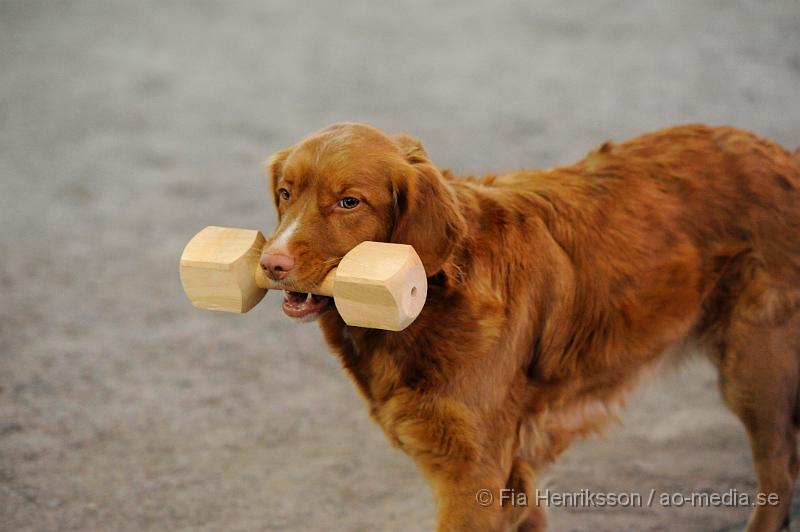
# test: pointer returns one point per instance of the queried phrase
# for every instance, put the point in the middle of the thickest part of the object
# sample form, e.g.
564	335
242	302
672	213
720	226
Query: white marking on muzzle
282	242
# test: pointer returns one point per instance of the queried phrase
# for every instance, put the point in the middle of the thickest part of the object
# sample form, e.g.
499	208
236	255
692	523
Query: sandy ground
125	127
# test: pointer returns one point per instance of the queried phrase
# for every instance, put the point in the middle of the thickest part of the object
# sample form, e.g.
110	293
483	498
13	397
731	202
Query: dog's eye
284	193
348	203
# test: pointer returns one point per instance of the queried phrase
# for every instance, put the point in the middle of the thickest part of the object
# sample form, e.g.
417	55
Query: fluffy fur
551	291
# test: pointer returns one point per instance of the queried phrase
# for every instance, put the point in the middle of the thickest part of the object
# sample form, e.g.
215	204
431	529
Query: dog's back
664	232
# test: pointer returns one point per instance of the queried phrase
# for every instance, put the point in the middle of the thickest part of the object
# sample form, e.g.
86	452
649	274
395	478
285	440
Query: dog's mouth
304	305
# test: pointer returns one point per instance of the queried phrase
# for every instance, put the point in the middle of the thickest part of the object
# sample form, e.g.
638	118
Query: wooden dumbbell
376	285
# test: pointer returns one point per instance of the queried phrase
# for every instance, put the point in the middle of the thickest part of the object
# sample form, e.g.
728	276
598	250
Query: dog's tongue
300	304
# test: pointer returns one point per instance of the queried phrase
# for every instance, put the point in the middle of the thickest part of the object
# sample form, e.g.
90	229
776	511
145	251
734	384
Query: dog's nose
277	265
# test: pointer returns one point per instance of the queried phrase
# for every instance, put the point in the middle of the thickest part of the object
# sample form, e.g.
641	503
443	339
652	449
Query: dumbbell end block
217	267
380	286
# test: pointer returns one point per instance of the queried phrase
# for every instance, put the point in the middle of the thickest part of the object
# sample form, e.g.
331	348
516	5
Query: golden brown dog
550	292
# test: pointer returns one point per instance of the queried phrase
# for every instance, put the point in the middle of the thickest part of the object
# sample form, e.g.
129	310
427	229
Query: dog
550	293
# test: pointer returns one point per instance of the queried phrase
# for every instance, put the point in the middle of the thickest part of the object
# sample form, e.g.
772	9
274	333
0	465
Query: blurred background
125	127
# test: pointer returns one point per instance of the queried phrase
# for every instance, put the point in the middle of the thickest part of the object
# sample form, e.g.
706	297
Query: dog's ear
275	170
426	213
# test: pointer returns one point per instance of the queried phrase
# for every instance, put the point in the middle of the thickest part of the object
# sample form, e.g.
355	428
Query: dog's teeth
309	296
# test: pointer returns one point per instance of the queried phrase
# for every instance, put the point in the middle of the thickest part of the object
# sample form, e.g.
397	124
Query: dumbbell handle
325	288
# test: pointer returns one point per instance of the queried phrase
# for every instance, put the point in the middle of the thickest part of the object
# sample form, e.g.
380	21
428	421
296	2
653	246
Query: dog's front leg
471	502
467	464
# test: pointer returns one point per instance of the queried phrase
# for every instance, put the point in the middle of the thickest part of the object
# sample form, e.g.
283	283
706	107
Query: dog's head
346	184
